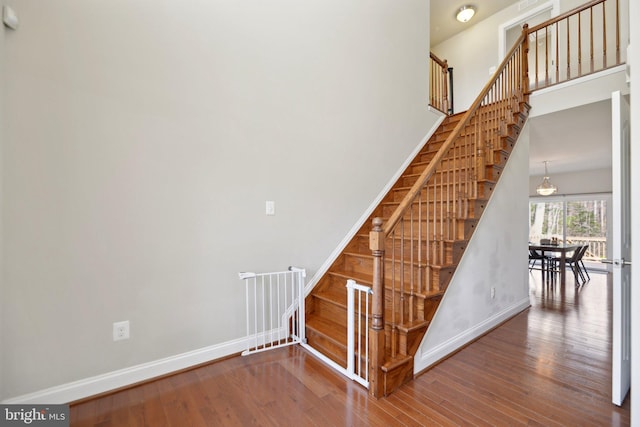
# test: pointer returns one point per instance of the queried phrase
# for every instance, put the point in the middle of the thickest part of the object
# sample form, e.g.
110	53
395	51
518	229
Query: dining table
559	248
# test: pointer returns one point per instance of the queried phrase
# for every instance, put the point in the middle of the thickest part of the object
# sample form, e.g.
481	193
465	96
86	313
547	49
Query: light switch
270	207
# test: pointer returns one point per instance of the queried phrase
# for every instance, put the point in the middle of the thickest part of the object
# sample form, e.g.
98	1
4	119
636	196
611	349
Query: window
573	220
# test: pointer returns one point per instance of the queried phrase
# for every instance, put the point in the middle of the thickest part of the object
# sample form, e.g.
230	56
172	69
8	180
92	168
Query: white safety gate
358	297
275	309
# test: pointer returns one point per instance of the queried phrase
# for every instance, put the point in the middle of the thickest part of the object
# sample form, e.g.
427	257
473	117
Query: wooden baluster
412	266
457	165
442	219
431	88
445	87
591	38
604	36
447	198
479	144
495	106
568	52
376	335
557	27
474	129
546	56
525	61
401	273
420	237
579	45
617	32
396	302
536	56
429	262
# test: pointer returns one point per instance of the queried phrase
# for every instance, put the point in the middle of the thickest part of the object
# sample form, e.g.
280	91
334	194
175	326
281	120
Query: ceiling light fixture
465	13
546	188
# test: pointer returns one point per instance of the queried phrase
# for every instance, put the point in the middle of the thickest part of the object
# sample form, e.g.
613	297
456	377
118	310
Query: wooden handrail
566	15
437	60
435	162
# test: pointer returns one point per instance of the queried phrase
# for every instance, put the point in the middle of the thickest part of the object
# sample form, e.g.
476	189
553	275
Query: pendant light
546	188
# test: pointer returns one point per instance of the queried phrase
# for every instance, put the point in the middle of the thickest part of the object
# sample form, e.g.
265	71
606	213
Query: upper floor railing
582	41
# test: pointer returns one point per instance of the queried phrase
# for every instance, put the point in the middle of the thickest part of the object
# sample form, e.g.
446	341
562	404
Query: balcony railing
582	41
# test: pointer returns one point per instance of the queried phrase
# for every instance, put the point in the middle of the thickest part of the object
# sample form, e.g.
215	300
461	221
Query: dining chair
535	256
581	265
573	262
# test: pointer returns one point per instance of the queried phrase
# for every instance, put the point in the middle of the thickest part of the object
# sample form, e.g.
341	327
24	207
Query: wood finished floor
548	366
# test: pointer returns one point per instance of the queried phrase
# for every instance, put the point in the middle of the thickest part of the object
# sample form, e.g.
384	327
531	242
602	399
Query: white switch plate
270	207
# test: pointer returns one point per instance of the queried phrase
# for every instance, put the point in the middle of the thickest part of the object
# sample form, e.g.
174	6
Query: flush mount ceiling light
465	13
546	188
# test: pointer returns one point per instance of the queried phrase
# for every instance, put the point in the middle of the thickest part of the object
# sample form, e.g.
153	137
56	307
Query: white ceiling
443	16
572	140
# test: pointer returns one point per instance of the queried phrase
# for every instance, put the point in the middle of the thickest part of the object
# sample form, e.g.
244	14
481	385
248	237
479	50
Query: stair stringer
496	257
374	204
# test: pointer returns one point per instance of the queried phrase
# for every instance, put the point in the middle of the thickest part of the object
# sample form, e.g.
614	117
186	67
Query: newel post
525	62
376	334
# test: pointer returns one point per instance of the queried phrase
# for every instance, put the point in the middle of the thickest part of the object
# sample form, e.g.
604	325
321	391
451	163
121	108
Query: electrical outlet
493	293
121	330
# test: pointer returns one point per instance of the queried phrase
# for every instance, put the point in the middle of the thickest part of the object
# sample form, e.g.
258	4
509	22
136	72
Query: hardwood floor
548	366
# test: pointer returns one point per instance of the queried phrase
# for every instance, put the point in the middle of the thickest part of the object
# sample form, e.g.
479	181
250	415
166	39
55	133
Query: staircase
326	306
409	249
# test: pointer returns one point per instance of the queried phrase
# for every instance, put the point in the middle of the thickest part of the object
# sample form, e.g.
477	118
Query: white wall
574	93
496	257
142	139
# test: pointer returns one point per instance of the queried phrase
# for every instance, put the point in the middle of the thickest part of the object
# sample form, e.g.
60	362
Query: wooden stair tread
334	295
396	203
431	185
361	278
370	256
407	327
448	241
395	362
329	329
432	294
367	280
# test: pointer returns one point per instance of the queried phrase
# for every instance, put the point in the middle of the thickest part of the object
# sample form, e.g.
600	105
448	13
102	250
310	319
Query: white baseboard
124	377
431	357
338	250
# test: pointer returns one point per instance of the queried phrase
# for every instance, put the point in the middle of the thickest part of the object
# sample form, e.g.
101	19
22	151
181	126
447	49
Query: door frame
634	72
551	5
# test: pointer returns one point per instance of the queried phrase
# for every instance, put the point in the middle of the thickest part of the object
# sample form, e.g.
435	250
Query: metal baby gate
275	309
